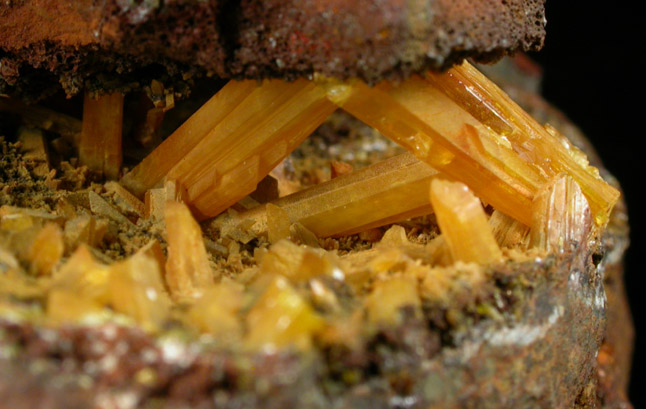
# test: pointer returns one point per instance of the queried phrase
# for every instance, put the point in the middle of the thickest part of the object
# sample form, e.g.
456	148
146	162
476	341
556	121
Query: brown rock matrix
123	44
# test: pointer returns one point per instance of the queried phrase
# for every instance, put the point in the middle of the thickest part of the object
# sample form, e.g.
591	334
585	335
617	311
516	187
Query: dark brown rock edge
124	44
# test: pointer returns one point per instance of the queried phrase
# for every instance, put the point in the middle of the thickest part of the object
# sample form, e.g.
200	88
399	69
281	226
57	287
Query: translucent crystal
281	317
84	276
421	118
472	132
136	289
216	312
46	250
463	223
386	192
188	272
551	153
100	145
221	153
297	262
562	216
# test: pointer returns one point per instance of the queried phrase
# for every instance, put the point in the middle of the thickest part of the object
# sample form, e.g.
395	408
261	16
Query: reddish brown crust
375	39
372	39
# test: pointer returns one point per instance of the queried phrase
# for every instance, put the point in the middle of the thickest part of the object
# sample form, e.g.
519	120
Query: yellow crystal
46	250
464	138
393	190
221	153
65	306
84	276
384	303
136	289
463	223
216	312
281	318
188	272
544	148
298	263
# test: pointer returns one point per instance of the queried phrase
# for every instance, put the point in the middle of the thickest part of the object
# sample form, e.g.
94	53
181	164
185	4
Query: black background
594	71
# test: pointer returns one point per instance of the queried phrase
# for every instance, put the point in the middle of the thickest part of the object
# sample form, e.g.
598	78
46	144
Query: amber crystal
297	262
188	272
475	93
83	275
136	289
100	145
221	153
393	190
463	223
467	142
440	133
47	249
216	311
562	216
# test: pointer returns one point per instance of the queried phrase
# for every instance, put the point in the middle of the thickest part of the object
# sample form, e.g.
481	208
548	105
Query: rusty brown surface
373	39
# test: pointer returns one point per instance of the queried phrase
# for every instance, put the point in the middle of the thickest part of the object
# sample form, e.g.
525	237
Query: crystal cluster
495	183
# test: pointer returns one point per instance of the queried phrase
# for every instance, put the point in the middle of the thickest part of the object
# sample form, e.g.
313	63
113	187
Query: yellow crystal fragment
562	216
221	153
84	276
298	263
280	318
136	289
46	250
463	223
84	230
216	312
384	303
100	145
188	272
277	223
469	88
386	192
66	306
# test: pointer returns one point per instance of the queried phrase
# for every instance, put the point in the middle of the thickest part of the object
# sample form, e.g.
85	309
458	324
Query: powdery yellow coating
562	216
463	223
188	273
221	153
